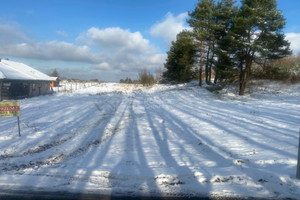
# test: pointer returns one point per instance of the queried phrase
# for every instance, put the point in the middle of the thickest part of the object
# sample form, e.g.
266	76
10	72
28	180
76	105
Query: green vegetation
181	59
285	69
55	74
129	81
230	43
146	78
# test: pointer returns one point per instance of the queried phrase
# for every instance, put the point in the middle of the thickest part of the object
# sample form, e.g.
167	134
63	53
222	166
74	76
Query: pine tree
257	34
224	14
181	59
202	20
55	74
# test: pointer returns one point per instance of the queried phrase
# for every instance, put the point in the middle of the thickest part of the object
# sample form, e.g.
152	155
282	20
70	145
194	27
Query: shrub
146	78
285	69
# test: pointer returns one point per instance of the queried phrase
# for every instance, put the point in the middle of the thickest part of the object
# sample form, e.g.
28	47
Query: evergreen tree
55	74
224	14
211	22
181	59
202	20
256	34
230	39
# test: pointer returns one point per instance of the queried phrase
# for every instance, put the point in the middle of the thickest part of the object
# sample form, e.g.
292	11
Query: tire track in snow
43	158
122	120
51	144
107	132
176	176
178	130
92	140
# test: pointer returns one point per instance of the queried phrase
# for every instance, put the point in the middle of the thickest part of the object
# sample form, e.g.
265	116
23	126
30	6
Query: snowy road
164	141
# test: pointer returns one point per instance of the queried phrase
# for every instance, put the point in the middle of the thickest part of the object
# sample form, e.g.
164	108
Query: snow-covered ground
178	140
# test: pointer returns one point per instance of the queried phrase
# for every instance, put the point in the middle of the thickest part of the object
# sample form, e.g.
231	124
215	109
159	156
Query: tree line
226	41
145	78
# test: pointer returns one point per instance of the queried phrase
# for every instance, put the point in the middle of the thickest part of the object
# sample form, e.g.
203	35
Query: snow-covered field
178	140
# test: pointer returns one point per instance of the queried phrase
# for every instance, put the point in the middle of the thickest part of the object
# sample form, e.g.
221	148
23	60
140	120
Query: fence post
298	163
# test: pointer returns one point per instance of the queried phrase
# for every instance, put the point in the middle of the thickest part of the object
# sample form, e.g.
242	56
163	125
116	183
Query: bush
285	69
278	72
146	78
295	77
215	88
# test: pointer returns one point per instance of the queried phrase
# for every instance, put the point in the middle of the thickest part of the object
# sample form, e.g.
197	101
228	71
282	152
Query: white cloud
122	50
69	52
62	33
52	50
102	66
10	33
13	42
114	51
294	39
170	27
116	39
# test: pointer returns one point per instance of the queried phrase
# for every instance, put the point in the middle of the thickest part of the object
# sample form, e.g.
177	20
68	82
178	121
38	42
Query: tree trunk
210	67
200	76
200	66
216	79
209	74
242	84
244	75
211	61
207	65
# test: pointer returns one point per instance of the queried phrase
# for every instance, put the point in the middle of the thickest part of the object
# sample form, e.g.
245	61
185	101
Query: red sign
9	109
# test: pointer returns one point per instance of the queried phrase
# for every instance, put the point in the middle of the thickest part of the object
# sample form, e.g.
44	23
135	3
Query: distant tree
127	80
94	80
181	59
55	74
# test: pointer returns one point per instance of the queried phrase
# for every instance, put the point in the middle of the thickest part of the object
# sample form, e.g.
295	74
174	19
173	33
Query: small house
18	81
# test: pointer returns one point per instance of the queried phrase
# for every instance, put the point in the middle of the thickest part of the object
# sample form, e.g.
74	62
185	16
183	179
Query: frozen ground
178	140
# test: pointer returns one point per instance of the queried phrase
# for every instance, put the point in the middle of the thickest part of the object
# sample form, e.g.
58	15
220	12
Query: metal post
298	164
19	126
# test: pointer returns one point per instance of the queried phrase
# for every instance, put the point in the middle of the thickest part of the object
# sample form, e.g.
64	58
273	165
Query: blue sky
103	39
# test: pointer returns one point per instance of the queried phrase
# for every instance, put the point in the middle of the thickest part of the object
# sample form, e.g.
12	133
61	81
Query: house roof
10	70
